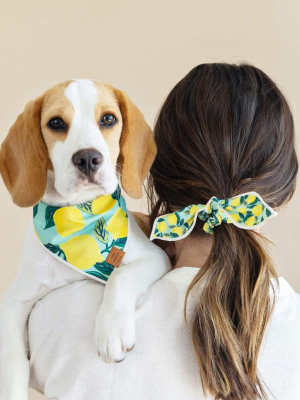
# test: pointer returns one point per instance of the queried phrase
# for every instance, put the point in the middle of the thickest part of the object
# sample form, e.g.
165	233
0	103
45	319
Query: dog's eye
56	124
108	120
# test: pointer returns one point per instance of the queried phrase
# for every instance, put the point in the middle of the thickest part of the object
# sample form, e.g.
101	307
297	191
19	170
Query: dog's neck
85	194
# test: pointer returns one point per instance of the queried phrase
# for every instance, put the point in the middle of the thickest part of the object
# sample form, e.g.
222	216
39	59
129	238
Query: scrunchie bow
247	211
211	215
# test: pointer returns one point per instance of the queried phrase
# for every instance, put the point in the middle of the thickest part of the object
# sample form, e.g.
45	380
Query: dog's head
68	144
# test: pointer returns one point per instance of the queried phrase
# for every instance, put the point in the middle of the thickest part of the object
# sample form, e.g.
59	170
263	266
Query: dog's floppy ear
24	157
137	147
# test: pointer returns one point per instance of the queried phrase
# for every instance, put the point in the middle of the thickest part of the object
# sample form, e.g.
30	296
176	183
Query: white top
65	364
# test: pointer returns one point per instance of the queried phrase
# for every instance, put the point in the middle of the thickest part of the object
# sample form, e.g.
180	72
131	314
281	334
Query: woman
223	132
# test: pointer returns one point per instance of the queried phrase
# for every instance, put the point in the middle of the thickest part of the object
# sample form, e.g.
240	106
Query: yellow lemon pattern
68	220
118	226
236	202
84	235
103	204
251	198
177	230
162	226
193	210
242	210
247	211
250	221
172	219
257	210
82	251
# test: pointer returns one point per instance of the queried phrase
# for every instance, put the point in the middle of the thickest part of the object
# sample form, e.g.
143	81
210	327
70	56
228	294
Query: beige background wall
143	47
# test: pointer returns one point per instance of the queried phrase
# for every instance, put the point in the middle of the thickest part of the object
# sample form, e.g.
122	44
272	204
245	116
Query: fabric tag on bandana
115	257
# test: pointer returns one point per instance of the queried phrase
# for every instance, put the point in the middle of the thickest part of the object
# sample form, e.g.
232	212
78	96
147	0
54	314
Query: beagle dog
68	147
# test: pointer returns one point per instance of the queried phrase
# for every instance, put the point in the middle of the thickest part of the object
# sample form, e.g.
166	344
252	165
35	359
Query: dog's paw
114	334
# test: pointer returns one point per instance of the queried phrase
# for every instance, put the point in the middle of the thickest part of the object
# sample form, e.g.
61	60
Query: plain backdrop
143	47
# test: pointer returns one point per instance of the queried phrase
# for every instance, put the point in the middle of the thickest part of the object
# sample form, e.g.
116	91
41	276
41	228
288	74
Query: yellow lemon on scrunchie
236	202
250	221
257	210
162	226
172	219
177	230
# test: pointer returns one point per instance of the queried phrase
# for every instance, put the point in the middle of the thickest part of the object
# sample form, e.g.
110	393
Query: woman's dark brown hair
225	130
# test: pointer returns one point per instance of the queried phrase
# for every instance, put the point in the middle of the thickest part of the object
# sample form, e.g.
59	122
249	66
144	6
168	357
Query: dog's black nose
87	160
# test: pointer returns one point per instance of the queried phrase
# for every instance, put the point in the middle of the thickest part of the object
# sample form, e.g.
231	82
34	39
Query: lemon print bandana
247	211
90	237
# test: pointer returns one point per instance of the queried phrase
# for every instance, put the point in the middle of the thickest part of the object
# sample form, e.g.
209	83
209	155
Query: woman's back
65	364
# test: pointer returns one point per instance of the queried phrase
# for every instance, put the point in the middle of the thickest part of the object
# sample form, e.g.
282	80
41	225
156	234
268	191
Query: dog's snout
87	160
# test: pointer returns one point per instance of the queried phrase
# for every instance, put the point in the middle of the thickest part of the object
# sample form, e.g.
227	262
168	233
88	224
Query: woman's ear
24	157
137	147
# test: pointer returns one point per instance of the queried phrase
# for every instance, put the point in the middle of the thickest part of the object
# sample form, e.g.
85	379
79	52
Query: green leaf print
178	218
241	216
98	275
254	203
116	195
120	242
247	216
35	210
86	207
104	267
225	204
100	231
173	235
268	212
50	210
56	250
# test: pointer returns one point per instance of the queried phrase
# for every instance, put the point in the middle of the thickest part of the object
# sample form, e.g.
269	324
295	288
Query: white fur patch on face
84	133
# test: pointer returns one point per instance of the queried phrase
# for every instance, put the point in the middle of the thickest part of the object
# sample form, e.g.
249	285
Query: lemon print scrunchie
247	211
86	235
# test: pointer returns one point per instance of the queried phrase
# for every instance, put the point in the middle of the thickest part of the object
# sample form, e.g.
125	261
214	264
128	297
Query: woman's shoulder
286	313
181	276
285	296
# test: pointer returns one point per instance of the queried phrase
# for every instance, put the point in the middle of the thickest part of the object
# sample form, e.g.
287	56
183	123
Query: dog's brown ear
24	157
137	147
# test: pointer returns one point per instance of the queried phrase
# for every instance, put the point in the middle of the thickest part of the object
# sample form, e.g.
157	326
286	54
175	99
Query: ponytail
231	314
